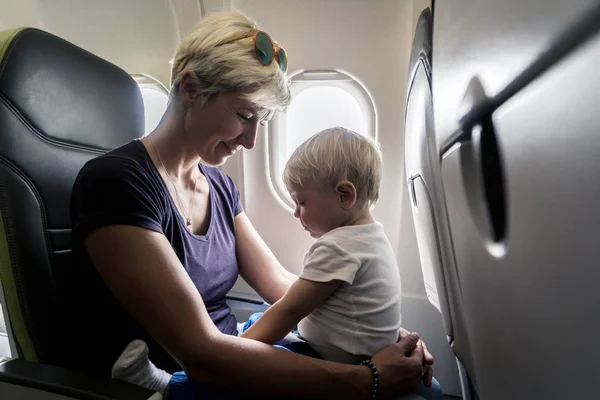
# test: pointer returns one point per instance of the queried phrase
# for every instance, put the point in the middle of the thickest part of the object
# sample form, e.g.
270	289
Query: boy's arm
299	301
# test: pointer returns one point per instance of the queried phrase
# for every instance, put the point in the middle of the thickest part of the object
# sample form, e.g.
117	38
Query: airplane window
320	100
156	98
319	108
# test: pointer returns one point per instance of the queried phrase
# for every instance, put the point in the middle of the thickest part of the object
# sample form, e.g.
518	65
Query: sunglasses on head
266	50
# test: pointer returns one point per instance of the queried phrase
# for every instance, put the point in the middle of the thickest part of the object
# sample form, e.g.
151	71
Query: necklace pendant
188	222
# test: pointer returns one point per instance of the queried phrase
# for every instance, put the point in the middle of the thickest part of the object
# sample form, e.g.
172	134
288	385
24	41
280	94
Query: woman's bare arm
142	271
258	266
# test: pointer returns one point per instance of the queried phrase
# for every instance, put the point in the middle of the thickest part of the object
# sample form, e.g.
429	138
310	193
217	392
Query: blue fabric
124	187
434	392
181	388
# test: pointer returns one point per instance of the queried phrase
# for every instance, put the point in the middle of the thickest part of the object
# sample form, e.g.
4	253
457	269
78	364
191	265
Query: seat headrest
68	95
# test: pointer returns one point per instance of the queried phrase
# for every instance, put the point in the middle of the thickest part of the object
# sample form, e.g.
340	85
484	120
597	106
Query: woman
159	236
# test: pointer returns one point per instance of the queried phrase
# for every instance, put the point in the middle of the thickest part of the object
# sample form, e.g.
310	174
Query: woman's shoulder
118	188
125	162
124	171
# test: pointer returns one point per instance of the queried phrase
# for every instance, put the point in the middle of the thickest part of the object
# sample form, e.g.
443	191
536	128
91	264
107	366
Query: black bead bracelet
373	369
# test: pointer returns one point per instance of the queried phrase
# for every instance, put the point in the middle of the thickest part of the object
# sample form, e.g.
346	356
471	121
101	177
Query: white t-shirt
363	314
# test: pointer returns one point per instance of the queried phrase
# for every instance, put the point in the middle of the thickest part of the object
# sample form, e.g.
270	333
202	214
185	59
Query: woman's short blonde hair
335	155
224	67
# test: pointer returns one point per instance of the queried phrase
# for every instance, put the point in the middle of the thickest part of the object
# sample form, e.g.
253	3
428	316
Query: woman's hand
427	358
399	365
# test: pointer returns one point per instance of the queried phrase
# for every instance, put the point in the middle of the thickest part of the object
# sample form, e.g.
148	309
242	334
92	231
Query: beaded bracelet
373	369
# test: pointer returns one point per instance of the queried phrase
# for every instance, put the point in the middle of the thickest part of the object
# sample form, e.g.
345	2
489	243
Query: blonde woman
160	236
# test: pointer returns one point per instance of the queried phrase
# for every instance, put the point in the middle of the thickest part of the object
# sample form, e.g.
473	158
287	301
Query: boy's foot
133	366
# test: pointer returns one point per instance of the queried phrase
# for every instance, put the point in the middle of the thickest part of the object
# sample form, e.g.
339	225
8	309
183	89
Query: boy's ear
346	192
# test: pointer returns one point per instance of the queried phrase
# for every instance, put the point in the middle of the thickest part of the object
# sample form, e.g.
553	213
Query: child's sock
133	366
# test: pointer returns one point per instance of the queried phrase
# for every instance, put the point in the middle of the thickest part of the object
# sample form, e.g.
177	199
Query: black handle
484	170
493	180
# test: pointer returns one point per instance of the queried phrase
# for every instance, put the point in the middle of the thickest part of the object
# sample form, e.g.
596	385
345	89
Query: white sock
133	366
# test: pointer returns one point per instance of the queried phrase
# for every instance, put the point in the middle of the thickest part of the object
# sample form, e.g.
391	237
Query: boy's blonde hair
225	67
334	155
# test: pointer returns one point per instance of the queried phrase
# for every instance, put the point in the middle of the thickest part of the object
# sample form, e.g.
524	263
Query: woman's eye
245	118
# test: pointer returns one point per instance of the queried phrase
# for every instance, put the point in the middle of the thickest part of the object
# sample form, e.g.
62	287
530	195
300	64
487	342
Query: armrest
65	382
243	305
245	297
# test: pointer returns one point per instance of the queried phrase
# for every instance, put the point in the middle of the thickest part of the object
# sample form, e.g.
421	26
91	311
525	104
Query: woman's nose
297	212
248	138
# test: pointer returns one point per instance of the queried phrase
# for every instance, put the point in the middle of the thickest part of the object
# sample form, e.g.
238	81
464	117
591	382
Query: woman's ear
346	193
188	88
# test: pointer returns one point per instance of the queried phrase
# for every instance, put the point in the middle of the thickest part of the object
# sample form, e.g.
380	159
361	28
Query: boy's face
319	213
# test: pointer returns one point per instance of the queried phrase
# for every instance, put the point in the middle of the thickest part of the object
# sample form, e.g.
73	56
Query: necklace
188	218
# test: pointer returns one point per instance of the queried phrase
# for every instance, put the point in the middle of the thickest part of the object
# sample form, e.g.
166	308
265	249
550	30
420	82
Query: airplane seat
423	174
60	106
418	137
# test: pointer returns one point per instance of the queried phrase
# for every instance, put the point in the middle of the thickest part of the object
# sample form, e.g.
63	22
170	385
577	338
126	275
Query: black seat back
60	106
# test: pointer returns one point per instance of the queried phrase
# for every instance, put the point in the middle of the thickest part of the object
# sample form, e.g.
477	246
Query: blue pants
434	392
181	388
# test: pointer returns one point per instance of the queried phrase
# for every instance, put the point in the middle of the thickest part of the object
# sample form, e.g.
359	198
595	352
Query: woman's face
221	126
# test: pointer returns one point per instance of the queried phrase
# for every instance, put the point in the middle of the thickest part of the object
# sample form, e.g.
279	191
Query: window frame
300	82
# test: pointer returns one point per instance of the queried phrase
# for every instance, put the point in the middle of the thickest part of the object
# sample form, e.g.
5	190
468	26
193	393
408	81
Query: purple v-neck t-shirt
123	187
